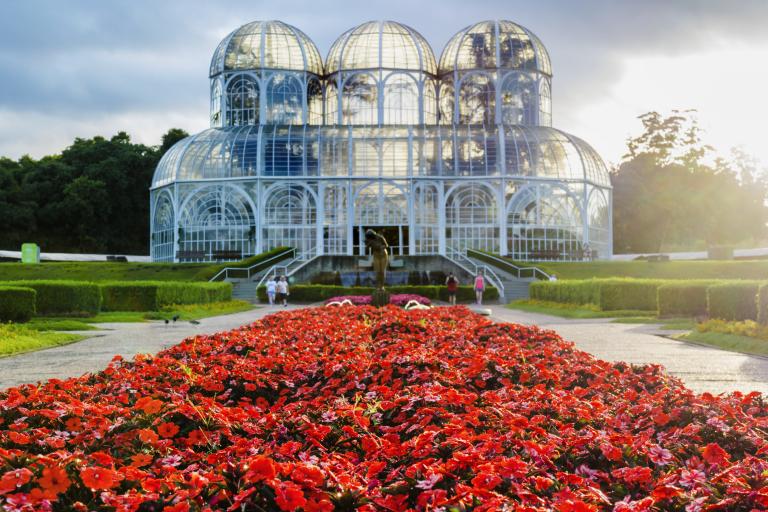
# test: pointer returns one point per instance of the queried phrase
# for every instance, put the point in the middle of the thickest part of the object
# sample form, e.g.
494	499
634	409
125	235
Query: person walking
479	288
282	291
271	290
453	285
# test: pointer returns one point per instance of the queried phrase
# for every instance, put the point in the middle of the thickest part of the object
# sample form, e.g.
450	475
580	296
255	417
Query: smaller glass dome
495	44
267	45
381	44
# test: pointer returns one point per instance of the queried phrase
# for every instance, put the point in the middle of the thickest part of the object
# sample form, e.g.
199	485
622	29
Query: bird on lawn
194	322
174	318
166	321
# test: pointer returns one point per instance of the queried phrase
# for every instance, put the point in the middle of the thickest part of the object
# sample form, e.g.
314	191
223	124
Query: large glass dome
381	44
495	44
267	45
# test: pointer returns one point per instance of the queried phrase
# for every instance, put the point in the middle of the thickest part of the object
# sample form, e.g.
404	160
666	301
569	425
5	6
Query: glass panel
360	100
242	101
401	100
285	99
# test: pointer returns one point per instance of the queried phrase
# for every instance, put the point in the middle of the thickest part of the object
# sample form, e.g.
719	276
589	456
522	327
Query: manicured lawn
197	311
59	324
730	342
185	312
757	269
16	339
102	271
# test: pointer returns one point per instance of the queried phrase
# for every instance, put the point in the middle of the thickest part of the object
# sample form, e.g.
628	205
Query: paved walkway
701	368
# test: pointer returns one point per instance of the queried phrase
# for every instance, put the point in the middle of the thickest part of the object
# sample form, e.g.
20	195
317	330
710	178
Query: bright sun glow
727	87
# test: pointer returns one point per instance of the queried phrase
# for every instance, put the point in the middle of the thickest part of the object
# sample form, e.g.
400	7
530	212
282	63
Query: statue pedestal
380	297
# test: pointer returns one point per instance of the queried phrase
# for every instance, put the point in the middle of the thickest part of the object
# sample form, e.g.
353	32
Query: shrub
683	298
317	293
153	295
733	301
126	296
17	304
629	294
67	298
762	304
570	292
210	271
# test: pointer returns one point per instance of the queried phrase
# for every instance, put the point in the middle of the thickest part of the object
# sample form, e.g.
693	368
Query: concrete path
127	339
701	368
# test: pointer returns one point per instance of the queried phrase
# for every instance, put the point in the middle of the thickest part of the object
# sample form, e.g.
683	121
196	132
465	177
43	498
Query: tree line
670	191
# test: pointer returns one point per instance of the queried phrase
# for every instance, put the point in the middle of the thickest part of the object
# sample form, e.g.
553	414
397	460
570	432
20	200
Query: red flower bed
356	408
397	299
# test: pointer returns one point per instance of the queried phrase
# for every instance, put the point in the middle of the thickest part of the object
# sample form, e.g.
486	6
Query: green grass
730	342
17	339
669	324
102	271
570	310
755	269
198	311
59	324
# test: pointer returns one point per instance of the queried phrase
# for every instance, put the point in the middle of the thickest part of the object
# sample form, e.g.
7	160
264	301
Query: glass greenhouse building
439	156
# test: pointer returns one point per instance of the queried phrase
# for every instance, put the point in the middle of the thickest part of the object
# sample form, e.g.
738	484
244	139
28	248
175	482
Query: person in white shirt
271	290
282	291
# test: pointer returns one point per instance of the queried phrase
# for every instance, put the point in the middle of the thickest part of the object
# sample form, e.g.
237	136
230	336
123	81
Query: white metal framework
441	157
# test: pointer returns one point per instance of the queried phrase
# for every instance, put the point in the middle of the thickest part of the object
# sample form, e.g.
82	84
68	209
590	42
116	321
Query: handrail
274	269
248	270
506	265
462	260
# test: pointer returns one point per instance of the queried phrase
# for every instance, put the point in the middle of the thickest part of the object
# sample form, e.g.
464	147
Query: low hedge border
733	301
319	292
684	298
17	304
762	304
154	295
63	298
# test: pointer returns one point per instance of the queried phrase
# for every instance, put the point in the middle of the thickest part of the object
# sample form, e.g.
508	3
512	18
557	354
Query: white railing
284	269
473	268
248	271
511	268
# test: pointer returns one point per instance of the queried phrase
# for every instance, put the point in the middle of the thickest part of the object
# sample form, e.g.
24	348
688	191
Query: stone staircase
245	289
514	287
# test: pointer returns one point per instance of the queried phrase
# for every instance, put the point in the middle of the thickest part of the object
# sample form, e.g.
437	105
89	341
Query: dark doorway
397	238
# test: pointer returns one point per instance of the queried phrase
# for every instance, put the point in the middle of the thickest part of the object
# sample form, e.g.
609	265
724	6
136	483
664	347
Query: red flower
260	468
148	436
167	430
288	496
54	480
99	478
307	475
714	454
14	479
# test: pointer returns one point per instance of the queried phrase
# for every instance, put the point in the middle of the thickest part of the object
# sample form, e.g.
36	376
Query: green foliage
101	271
666	194
210	271
733	301
137	296
568	292
762	305
755	269
17	339
748	328
17	304
66	298
684	298
153	295
629	294
318	292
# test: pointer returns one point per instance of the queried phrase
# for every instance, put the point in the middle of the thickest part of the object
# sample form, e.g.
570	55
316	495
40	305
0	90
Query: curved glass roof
233	152
495	44
267	45
381	44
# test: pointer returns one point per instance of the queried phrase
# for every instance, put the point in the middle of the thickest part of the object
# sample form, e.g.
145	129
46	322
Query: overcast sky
92	67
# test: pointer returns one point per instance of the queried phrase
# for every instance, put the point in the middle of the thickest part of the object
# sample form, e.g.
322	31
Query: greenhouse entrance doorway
396	236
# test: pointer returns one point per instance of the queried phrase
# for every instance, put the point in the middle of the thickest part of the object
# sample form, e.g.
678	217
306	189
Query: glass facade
450	156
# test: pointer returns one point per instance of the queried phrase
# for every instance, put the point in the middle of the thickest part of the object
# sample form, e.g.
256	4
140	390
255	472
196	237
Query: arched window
285	100
359	100
290	218
447	102
545	103
216	104
314	102
476	100
429	100
331	103
162	229
401	100
335	219
217	223
471	218
426	204
242	101
381	204
518	100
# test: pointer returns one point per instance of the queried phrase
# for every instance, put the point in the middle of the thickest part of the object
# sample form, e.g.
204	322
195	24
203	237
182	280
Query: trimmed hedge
762	304
210	272
733	301
153	295
585	291
629	294
318	292
17	304
683	298
63	298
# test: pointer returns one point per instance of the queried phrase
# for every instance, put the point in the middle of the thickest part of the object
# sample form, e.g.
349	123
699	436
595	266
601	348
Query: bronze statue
378	246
